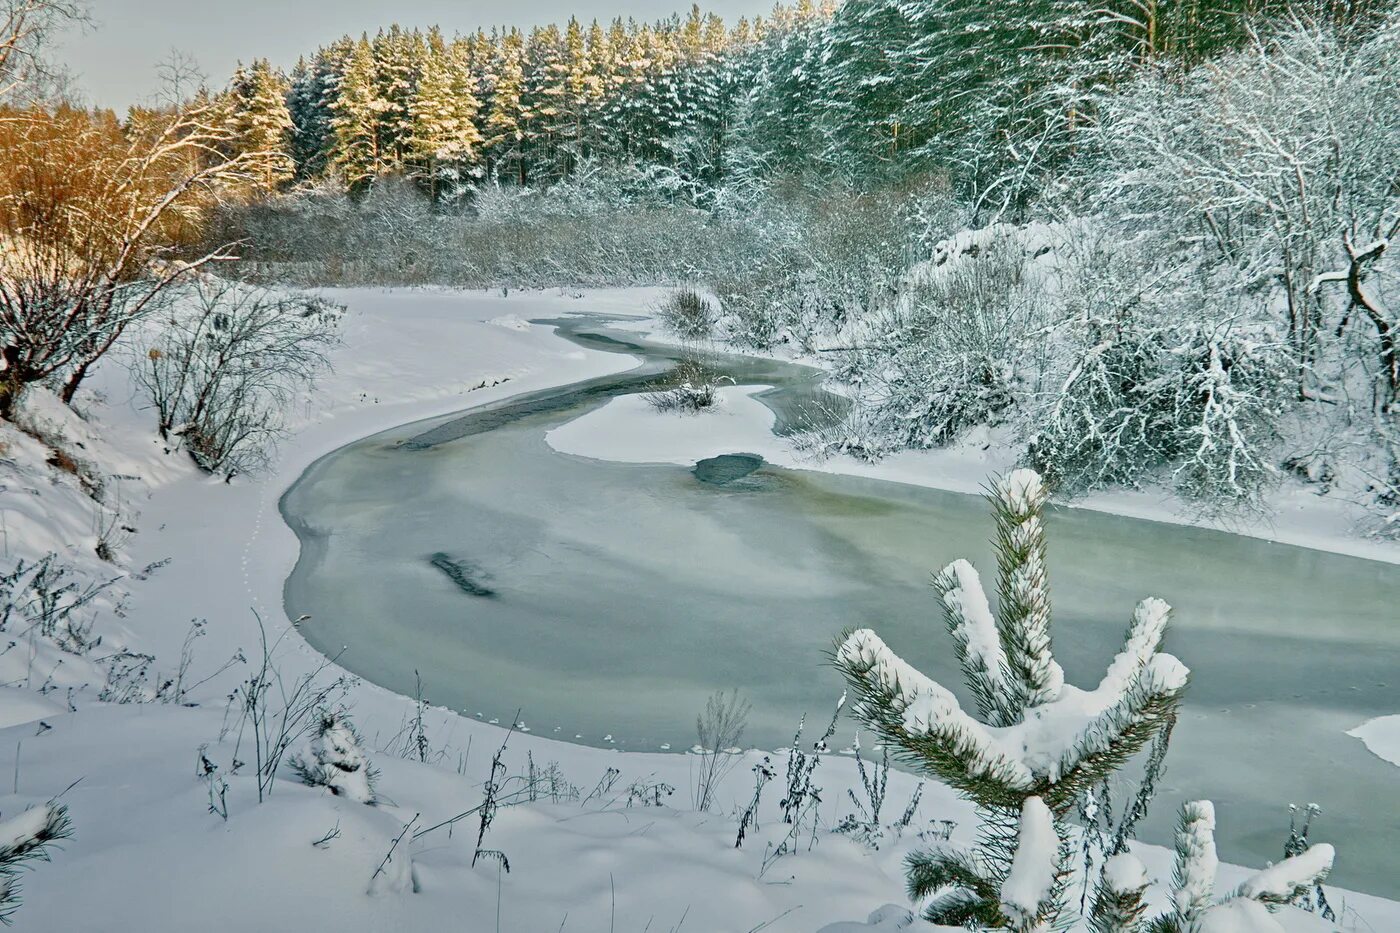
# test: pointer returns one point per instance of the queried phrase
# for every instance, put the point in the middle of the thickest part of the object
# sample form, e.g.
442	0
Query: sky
115	61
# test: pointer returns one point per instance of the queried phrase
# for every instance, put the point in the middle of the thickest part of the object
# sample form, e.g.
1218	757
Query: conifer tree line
509	105
868	91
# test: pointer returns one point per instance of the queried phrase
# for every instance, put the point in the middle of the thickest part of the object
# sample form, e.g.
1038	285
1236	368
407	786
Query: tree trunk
12	381
1385	327
71	384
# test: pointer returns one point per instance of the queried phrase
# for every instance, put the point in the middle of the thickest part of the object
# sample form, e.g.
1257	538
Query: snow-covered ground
147	853
1382	737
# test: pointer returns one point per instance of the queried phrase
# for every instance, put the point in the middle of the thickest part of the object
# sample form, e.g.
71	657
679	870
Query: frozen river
607	600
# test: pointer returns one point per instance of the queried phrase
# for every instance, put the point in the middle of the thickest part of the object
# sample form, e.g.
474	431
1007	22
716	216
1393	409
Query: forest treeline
868	91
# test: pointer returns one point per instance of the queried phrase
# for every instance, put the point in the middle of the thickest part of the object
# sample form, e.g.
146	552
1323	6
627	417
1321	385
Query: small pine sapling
336	759
1033	735
25	839
1314	901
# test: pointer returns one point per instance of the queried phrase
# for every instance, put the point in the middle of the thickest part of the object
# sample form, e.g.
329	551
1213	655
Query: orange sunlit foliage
92	212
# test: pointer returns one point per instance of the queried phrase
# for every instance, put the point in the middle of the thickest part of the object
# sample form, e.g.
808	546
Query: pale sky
115	62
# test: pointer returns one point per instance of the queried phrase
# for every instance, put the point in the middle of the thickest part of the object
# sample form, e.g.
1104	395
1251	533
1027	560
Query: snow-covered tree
503	130
444	140
308	106
354	105
1036	743
262	124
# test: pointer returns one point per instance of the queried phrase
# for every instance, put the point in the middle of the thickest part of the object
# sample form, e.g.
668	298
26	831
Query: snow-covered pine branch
1037	870
1119	904
1039	738
25	838
1247	909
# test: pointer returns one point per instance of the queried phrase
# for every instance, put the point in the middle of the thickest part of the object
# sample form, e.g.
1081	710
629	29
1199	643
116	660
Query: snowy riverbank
1296	512
148	855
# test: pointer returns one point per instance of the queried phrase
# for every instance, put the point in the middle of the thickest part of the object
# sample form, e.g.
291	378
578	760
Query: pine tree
1034	736
1195	905
335	759
443	138
262	124
354	108
544	103
398	60
308	107
503	129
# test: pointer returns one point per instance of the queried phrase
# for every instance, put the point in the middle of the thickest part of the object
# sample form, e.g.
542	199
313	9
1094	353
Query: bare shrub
49	598
719	728
276	728
89	211
227	362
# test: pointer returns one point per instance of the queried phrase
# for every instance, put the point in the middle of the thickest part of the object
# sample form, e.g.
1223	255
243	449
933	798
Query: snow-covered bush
1205	405
687	314
952	353
601	227
335	759
1036	745
693	388
225	362
812	258
26	838
1269	173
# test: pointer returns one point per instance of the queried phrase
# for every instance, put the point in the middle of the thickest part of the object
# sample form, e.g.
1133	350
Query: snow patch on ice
1382	737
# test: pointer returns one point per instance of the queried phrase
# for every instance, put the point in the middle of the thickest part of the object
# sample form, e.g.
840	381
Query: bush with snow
954	351
687	314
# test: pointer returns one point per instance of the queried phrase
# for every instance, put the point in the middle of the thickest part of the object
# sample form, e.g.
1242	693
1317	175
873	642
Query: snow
1382	737
1022	491
1278	882
1196	851
1239	916
18	706
1033	867
1125	873
147	854
20	831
